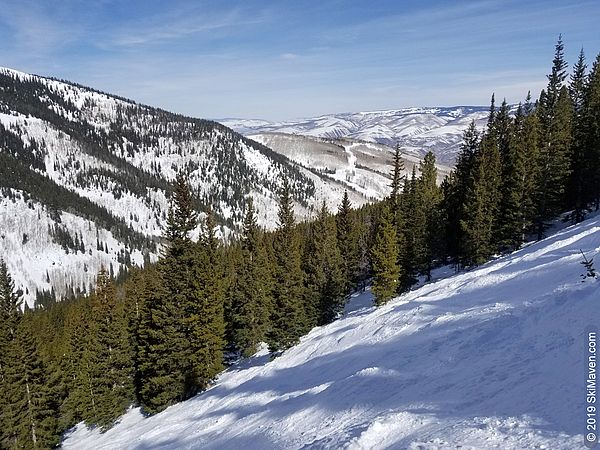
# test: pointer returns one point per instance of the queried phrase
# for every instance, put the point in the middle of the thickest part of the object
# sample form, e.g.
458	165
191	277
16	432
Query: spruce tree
590	124
252	298
555	111
384	256
429	199
288	320
204	321
347	235
323	267
480	209
10	317
108	358
455	190
399	213
576	196
166	373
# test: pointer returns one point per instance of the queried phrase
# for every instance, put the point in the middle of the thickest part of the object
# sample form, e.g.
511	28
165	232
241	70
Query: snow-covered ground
490	358
418	130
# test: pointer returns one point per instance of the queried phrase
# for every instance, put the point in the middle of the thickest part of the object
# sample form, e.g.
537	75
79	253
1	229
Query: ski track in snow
489	358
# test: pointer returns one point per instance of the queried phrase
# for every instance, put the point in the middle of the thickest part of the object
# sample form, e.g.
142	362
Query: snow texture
417	130
489	358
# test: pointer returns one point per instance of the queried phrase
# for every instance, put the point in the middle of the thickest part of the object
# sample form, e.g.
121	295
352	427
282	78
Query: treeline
165	333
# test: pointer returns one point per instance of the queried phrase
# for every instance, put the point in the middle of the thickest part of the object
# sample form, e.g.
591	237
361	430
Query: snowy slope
491	358
418	130
122	157
360	166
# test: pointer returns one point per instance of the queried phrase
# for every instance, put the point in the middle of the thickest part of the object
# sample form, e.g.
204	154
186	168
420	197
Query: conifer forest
157	335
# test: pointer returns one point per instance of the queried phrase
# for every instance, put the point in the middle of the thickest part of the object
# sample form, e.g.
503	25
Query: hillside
361	166
85	179
418	130
490	358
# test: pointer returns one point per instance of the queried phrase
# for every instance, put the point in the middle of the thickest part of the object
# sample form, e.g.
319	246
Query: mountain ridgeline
105	165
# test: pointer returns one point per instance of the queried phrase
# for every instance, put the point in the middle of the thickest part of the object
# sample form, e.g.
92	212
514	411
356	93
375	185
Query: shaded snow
491	358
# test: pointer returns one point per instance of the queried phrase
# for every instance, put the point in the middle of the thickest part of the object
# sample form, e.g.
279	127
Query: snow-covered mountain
417	130
85	178
490	358
362	166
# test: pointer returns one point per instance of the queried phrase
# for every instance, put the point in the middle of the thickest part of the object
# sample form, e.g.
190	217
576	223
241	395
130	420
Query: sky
285	59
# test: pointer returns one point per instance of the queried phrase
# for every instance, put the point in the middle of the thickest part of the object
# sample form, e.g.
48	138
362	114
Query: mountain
489	358
85	179
417	130
361	166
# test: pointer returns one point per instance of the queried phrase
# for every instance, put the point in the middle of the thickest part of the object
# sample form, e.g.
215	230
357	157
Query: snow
489	358
417	129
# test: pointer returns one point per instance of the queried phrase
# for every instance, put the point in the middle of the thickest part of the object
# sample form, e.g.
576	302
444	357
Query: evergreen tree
166	373
429	198
480	209
10	316
384	256
204	322
323	267
347	234
108	357
590	124
576	196
555	112
252	294
455	189
288	321
30	395
398	209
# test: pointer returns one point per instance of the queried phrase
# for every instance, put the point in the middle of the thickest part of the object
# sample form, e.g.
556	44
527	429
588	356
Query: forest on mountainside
163	335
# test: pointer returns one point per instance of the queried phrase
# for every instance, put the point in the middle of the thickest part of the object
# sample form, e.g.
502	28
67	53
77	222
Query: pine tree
520	180
288	321
590	124
252	293
347	234
455	189
576	196
556	113
108	358
429	199
10	316
399	211
166	375
204	320
384	256
480	209
29	410
323	267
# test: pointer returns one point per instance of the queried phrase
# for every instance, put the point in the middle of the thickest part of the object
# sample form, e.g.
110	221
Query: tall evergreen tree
480	209
429	195
384	255
288	321
252	300
590	125
10	317
166	369
455	189
204	322
323	268
555	112
108	358
347	243
576	196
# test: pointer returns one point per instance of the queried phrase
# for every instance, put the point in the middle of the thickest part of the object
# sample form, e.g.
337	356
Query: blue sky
286	59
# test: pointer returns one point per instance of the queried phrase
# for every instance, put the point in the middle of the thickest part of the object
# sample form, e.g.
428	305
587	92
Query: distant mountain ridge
85	179
417	130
